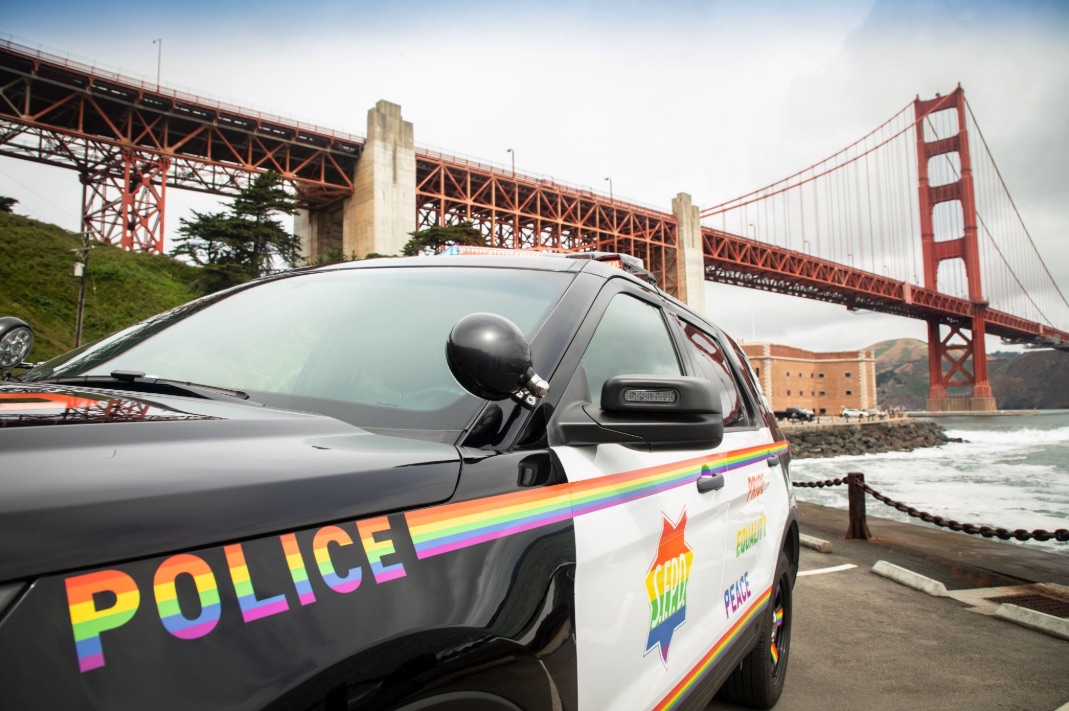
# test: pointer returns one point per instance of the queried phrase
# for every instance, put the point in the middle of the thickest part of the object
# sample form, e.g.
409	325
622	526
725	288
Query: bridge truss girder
739	261
56	112
123	202
516	212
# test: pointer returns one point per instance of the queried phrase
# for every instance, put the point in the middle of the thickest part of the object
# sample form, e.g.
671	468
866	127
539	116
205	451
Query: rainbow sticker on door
666	585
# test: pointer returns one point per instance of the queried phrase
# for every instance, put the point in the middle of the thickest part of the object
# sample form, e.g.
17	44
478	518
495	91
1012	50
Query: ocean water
1010	472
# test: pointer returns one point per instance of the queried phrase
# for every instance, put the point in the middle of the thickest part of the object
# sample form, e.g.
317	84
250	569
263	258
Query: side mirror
16	340
651	412
490	357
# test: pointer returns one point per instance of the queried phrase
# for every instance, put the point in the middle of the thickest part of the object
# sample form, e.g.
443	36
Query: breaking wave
1001	474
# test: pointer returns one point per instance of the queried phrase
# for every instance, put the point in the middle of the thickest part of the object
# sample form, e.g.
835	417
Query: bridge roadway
862	642
72	115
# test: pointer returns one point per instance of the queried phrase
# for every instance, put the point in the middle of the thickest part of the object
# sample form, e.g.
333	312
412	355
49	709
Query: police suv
444	483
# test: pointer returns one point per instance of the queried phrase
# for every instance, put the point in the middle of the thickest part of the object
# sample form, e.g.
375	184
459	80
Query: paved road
863	642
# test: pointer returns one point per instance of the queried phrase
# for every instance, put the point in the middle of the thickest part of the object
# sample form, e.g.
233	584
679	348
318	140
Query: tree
7	204
245	241
434	239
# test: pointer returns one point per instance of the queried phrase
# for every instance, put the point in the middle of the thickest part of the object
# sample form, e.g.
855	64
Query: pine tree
243	242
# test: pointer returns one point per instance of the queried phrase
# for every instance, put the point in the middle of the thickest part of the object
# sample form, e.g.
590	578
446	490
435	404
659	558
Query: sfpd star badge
666	585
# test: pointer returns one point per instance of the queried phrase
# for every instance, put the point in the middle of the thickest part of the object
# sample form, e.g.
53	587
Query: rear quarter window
712	362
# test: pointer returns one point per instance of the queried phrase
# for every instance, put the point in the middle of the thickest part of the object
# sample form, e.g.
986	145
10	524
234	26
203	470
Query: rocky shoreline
837	439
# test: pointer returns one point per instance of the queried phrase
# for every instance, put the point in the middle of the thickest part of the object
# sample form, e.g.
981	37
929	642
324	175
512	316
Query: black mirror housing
648	412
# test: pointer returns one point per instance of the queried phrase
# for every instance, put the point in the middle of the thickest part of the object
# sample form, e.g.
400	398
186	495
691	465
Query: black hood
146	476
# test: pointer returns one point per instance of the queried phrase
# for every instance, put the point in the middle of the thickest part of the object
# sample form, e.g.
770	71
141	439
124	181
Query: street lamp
753	232
611	199
159	56
805	246
513	154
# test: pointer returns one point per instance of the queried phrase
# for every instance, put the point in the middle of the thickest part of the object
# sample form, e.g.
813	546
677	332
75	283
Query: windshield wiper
136	381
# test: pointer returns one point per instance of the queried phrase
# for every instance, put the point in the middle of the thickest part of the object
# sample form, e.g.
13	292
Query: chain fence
1061	535
819	484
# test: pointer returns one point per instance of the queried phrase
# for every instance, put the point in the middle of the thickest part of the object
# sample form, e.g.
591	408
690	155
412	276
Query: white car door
649	545
752	543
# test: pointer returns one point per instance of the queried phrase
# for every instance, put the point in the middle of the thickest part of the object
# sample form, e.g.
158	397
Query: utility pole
80	269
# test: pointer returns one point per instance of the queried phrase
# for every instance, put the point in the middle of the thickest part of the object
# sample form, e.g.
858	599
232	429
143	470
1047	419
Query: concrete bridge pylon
381	212
691	260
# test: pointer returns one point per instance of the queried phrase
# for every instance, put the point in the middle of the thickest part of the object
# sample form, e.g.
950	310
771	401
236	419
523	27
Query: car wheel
16	339
758	682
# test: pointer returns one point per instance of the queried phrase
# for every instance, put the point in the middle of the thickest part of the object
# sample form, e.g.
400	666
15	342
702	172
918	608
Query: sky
714	99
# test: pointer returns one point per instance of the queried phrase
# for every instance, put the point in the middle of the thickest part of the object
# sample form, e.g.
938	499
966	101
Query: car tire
16	340
758	682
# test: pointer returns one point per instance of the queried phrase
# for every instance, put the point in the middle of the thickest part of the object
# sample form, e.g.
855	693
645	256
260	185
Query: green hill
37	284
1030	380
901	373
1039	379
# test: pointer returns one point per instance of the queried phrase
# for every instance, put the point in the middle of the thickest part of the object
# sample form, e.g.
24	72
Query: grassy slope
37	284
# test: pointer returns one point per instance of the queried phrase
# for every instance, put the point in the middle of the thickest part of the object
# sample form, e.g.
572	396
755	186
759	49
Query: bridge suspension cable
849	208
1006	233
859	208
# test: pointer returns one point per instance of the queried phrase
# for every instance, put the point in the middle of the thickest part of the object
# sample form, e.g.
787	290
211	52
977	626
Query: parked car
795	414
432	483
849	412
875	412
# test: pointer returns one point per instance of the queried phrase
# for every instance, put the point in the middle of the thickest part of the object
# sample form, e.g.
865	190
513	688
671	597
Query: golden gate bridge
913	219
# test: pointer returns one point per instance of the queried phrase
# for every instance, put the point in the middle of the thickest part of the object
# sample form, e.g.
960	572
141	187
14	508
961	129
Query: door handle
773	461
710	482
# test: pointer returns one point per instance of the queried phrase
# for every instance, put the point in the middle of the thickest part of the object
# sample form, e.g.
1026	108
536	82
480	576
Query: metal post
859	528
81	289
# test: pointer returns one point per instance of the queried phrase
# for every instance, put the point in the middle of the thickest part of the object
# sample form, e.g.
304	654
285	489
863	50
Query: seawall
836	439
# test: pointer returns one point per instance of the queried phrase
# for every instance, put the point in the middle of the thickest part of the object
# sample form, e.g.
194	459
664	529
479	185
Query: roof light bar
625	262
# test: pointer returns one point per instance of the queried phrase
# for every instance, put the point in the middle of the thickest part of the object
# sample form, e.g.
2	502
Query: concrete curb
817	544
1047	624
909	578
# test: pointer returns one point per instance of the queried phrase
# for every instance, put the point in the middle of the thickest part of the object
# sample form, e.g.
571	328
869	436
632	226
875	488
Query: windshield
364	345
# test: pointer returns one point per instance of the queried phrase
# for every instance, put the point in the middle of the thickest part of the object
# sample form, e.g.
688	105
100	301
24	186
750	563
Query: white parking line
833	569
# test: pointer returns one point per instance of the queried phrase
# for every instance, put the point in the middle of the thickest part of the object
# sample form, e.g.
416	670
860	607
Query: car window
713	364
631	339
749	376
366	337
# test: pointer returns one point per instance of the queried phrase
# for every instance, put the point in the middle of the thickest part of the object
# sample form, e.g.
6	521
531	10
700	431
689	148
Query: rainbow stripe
442	529
87	621
295	562
167	596
377	550
251	608
707	662
321	550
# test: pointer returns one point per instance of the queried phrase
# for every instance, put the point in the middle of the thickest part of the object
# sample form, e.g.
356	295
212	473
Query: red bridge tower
956	358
